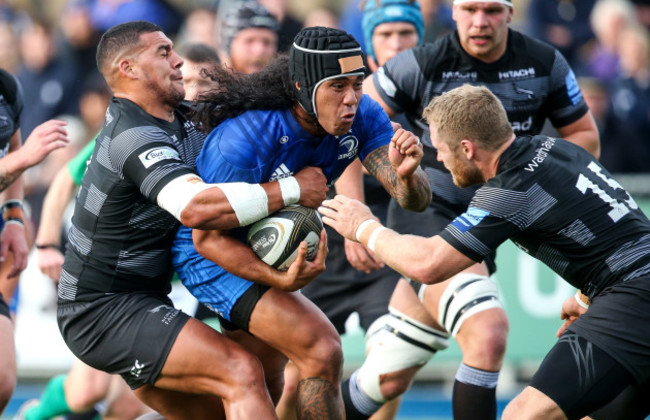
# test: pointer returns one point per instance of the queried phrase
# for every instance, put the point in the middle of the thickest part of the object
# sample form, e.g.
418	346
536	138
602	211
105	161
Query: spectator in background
200	27
49	82
564	25
196	57
9	56
289	26
321	16
248	36
626	145
607	19
107	13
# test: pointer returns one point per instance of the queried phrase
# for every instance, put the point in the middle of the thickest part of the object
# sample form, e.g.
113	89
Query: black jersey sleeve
147	157
565	103
12	92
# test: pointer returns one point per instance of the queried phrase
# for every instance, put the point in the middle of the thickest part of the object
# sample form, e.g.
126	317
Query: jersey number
619	209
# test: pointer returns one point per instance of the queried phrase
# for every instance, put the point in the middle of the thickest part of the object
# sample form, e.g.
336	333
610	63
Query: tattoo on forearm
318	399
6	178
415	197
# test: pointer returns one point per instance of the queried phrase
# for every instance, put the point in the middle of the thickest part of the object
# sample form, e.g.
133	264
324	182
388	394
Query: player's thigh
82	377
292	324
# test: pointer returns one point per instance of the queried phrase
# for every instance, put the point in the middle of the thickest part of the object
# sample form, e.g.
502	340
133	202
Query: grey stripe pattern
628	254
82	243
147	261
67	286
128	141
578	232
469	241
519	208
94	200
146	217
643	271
152	179
103	157
553	258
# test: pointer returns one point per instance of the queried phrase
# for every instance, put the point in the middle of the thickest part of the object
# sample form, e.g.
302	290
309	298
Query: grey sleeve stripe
519	208
125	143
154	177
82	243
578	232
469	240
628	254
67	286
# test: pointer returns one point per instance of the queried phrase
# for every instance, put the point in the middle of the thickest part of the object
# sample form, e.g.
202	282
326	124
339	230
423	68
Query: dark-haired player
307	110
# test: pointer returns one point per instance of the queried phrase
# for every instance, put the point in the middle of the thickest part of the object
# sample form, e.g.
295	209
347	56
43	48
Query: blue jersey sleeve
377	129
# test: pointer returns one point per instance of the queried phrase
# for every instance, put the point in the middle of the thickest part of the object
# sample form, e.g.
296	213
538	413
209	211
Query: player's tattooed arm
411	193
7	178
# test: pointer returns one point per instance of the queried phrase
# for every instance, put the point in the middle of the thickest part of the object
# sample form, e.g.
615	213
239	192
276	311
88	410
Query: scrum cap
319	54
376	12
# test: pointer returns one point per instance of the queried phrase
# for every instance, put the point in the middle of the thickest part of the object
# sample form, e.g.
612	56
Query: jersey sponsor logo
540	155
281	172
459	75
348	147
386	84
469	219
284	139
528	73
520	126
158	154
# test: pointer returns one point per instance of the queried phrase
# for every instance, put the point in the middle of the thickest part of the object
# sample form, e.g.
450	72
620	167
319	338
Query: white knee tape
395	342
466	295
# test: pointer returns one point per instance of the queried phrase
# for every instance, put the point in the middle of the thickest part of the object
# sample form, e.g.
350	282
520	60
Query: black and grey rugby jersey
120	239
532	79
11	106
558	204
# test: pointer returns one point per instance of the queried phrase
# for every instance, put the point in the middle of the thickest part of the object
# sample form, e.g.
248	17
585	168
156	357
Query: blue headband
376	12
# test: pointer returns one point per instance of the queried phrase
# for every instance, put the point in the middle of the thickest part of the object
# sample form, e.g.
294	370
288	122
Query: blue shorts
211	284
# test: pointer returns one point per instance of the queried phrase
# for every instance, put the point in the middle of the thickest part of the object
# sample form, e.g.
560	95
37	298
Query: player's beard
466	173
166	94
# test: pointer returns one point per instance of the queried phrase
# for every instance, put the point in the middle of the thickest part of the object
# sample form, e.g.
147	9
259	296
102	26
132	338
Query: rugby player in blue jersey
305	111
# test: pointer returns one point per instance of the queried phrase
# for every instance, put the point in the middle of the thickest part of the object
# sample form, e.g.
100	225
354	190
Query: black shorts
129	334
240	314
342	290
4	308
618	321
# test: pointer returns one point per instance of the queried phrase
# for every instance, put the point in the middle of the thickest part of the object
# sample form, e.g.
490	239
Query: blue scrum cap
376	12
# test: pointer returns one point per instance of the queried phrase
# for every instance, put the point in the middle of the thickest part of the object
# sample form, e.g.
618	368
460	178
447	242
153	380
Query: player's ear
127	68
298	85
468	148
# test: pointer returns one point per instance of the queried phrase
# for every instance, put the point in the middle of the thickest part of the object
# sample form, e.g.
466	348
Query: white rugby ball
275	239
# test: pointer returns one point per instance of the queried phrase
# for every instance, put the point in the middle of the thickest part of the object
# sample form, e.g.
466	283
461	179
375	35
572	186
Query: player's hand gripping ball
275	239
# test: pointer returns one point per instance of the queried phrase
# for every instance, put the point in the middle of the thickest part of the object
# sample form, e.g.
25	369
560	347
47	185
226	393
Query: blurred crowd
50	46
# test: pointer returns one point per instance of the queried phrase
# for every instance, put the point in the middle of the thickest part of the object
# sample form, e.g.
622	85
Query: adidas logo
281	172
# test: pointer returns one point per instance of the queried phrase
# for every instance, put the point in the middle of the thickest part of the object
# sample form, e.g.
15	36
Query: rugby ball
275	239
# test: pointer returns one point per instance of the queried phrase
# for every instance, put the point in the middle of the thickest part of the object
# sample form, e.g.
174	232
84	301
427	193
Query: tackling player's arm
239	259
370	90
584	133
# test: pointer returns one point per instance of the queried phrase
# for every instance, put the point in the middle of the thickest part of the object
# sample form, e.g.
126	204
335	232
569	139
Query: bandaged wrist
249	201
579	298
361	227
290	190
373	237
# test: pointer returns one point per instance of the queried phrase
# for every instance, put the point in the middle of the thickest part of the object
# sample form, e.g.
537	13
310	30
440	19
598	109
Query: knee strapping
395	342
466	295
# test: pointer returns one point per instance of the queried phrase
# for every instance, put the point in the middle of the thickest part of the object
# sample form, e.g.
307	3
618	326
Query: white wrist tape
580	301
290	190
249	201
177	194
361	227
373	237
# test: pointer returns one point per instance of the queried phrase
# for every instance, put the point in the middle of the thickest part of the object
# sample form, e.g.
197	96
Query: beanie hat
376	12
319	54
243	15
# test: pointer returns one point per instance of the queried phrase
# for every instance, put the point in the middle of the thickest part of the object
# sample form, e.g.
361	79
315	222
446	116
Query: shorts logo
136	370
157	154
469	219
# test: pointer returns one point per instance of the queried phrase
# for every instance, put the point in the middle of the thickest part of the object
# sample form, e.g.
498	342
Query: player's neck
151	106
307	122
491	169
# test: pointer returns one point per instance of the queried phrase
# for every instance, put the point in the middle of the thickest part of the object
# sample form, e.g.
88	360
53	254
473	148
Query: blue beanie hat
376	12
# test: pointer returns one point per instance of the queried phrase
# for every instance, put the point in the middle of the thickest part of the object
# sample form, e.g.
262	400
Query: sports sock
358	406
474	395
52	402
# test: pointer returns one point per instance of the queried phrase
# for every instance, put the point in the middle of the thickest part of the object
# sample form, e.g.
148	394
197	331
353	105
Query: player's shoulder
10	87
525	47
